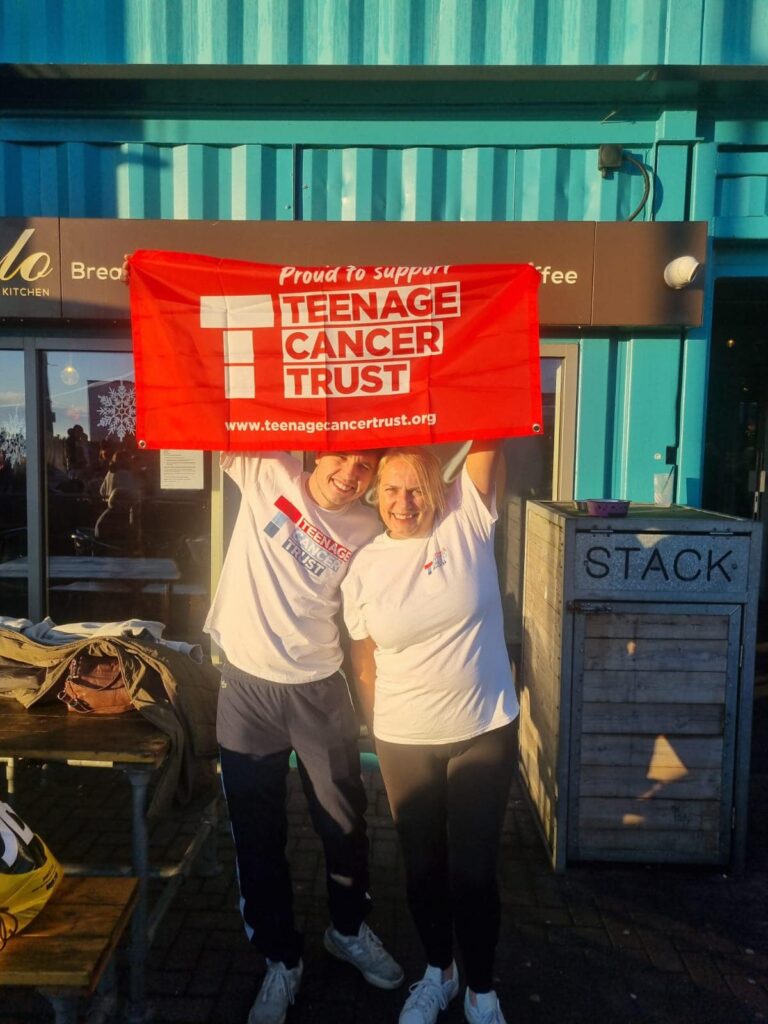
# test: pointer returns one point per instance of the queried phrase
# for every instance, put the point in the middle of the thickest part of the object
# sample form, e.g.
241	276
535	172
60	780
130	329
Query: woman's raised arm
483	465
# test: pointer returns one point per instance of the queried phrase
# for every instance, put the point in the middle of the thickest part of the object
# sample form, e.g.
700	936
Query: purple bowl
604	507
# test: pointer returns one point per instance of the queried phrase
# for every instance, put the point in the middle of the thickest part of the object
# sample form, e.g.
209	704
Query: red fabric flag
246	356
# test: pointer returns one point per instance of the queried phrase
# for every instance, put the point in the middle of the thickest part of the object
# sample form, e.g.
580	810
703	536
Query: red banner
246	356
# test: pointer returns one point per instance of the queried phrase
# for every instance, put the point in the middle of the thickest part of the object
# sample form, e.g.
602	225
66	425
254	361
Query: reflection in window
13	486
121	542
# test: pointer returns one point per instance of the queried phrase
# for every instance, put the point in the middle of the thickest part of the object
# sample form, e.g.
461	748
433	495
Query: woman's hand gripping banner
246	356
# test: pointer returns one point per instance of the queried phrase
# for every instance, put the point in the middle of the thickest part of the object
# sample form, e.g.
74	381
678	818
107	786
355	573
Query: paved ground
599	944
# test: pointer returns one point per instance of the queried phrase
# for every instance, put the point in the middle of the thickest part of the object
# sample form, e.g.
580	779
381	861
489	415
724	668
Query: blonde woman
423	609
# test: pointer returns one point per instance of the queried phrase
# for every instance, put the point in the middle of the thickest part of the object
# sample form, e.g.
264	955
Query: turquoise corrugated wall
253	182
637	395
384	32
621	378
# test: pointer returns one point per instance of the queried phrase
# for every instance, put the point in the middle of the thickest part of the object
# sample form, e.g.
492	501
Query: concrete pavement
599	944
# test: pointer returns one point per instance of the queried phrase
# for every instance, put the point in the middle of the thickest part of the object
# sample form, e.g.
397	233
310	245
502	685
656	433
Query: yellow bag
29	873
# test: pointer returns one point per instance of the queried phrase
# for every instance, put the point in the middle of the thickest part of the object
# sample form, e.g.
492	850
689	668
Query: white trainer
365	952
277	993
486	1009
429	996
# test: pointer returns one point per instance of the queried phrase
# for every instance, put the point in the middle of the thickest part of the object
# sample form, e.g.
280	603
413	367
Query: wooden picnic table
49	732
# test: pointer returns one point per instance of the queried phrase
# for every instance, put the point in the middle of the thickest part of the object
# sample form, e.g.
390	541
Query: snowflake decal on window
13	439
117	411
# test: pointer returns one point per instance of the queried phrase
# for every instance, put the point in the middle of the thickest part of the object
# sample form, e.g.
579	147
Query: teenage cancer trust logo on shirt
438	561
314	550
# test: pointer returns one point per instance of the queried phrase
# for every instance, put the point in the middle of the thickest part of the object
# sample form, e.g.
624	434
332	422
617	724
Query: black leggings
448	802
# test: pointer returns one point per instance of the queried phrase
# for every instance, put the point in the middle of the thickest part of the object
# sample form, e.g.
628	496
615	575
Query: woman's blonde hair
428	470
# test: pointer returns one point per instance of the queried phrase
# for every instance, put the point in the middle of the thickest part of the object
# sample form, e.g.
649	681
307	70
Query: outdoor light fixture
681	272
612	158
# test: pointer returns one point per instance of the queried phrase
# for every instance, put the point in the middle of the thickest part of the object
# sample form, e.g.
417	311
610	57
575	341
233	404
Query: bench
66	949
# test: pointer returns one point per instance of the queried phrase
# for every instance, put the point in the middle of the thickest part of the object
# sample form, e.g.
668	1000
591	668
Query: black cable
646	179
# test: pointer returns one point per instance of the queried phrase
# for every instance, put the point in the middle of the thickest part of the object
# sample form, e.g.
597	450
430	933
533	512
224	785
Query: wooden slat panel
545	719
541	625
649	625
539	748
57	962
646	815
671	782
541	574
542	533
539	731
661	845
662	751
70	941
542	796
542	656
542	787
542	660
688	719
543	610
547	555
93	890
645	687
48	732
655	655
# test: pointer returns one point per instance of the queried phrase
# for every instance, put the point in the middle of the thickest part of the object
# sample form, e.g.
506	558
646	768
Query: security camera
681	272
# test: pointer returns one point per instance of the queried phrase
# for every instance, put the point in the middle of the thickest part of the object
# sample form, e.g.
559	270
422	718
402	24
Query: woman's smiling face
403	506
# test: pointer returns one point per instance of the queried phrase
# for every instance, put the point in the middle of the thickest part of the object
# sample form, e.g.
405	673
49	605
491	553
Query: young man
274	616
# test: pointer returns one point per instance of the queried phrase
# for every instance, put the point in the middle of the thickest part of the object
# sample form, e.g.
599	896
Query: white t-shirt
274	610
433	608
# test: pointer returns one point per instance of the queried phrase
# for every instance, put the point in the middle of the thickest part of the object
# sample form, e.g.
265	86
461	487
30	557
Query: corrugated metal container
264	182
385	32
492	147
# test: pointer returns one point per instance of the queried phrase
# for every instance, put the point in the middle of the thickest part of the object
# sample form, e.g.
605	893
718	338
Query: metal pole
137	1012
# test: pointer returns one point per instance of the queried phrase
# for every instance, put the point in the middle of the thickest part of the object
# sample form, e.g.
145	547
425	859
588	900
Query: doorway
735	464
540	468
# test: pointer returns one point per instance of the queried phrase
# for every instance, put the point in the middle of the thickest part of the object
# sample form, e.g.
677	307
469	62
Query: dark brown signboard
30	278
593	274
629	273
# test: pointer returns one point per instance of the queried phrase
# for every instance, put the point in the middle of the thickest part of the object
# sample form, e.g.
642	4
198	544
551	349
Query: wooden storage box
637	673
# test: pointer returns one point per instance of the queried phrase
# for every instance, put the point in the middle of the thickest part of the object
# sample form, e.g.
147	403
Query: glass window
127	531
532	472
13	487
737	403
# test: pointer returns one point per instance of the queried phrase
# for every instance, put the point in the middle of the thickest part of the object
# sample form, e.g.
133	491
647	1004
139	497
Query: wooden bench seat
66	949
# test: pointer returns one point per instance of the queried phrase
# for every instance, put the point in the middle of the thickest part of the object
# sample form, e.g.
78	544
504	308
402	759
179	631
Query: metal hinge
588	606
733	818
741	655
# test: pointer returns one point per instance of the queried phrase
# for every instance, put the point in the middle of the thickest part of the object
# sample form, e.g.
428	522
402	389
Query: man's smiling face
340	478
